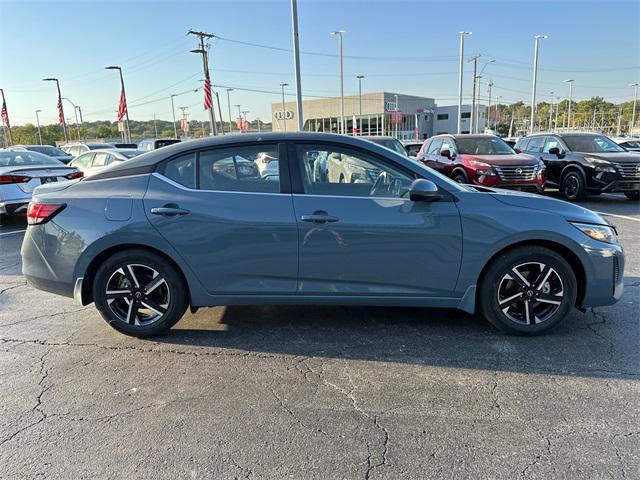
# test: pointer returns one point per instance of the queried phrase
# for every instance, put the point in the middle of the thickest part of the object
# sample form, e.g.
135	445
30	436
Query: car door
366	237
554	163
433	154
447	164
236	231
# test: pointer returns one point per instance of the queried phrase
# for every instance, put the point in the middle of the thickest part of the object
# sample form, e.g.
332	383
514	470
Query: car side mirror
445	153
423	190
554	151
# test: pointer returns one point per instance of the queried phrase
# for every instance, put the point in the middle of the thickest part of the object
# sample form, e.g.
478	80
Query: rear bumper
15	207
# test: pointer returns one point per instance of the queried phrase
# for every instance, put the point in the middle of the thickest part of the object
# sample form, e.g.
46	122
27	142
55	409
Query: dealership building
384	113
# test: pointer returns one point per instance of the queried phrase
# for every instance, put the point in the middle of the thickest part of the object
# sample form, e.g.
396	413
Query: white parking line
11	233
618	216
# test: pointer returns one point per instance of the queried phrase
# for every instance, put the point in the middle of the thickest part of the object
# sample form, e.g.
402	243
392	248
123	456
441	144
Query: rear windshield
131	154
483	146
164	143
98	146
26	159
591	144
46	149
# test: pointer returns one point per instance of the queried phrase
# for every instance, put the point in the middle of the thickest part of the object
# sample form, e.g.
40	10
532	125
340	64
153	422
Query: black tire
170	298
518	321
573	185
632	195
460	177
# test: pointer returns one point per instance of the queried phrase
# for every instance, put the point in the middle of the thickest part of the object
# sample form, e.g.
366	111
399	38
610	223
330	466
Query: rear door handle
319	218
169	211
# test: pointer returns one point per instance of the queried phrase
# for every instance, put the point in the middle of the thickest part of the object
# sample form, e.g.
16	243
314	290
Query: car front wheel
573	186
139	293
527	290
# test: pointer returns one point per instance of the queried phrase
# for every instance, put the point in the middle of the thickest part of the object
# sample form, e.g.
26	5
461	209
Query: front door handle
169	210
319	218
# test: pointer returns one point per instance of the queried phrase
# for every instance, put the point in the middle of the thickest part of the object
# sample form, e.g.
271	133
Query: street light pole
61	110
489	105
38	125
173	113
477	99
635	101
124	98
296	62
551	112
75	111
340	34
495	115
360	77
472	124
537	39
462	35
229	108
570	82
284	120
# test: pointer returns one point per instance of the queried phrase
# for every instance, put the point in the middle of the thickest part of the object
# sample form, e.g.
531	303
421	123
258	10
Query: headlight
598	162
485	169
602	233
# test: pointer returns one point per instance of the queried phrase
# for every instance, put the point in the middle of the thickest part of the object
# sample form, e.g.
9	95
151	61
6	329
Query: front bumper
613	182
604	282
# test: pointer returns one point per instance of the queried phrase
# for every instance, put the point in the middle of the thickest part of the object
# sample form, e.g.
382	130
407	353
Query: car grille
628	170
524	172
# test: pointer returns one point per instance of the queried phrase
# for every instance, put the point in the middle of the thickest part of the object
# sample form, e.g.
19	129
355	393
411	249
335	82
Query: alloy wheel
571	186
530	293
137	294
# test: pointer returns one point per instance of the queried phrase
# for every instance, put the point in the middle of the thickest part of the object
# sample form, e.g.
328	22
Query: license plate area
44	180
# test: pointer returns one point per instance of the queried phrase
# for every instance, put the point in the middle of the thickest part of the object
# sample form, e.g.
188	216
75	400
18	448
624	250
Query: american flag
208	101
5	114
60	111
122	106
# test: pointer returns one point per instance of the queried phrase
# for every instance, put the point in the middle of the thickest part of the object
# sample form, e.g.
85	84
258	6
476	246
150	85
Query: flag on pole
60	111
208	101
5	114
122	106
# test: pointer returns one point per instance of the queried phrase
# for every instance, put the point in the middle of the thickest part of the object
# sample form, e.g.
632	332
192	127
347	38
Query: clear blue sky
401	46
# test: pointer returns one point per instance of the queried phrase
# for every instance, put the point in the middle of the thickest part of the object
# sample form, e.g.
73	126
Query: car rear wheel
632	195
460	177
139	293
527	291
573	186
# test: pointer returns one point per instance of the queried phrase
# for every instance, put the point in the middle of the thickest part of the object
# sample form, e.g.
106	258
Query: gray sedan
21	171
183	227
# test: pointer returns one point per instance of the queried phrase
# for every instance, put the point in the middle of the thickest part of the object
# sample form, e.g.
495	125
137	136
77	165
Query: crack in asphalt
292	413
48	315
13	287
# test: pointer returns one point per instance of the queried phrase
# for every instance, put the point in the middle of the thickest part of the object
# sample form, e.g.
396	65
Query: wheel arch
574	262
97	260
570	168
460	169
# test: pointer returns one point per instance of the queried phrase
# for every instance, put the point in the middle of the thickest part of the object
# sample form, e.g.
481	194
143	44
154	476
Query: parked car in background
389	142
580	164
95	160
144	247
483	160
126	145
53	152
412	147
21	171
631	144
155	143
78	148
511	141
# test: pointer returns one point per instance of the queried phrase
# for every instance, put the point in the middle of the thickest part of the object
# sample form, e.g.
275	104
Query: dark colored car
413	147
389	142
184	227
50	151
580	164
483	160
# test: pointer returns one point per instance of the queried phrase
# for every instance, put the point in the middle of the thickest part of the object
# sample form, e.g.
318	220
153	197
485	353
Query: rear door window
101	159
434	147
551	142
535	144
182	170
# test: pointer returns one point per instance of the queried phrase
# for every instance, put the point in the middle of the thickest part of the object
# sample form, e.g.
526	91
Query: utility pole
570	82
81	123
397	116
532	123
360	77
619	121
284	120
296	62
489	105
173	113
462	35
551	112
75	111
555	122
207	80
473	59
155	125
495	114
635	101
229	108
339	34
220	113
60	109
38	125
123	99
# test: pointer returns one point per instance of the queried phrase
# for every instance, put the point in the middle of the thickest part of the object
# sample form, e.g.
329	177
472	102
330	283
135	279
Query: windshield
483	146
46	149
591	144
631	144
26	159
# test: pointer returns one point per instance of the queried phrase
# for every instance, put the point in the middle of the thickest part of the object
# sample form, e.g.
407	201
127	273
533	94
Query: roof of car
377	137
562	134
154	156
466	135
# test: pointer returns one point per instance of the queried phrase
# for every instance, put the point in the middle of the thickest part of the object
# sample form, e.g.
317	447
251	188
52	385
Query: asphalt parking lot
301	392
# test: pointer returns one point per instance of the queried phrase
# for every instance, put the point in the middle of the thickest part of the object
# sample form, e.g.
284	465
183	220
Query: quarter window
182	170
101	159
344	172
82	161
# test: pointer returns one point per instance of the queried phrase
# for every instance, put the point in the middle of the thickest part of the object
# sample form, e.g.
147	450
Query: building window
443	116
465	115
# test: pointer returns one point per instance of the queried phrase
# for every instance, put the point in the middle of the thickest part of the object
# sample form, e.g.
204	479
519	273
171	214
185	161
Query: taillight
74	175
38	213
6	179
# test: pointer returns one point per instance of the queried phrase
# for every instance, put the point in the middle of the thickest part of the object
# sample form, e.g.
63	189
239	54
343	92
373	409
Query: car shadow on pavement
600	342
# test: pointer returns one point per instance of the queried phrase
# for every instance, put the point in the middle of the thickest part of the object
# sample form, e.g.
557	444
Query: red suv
483	160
